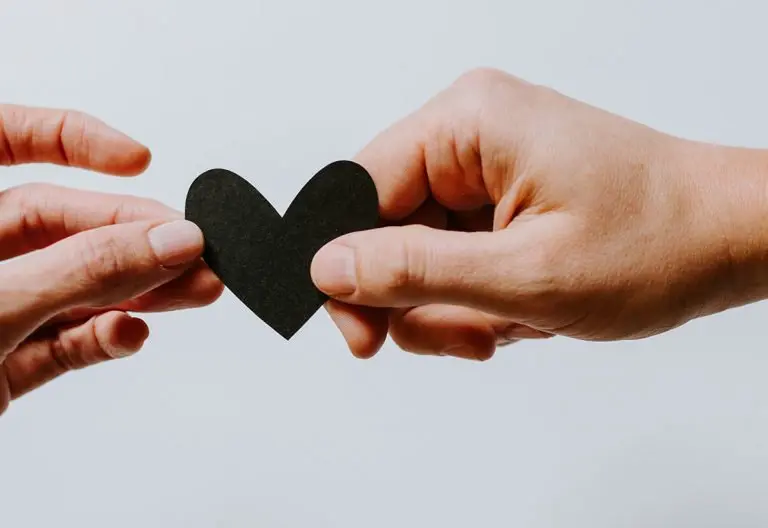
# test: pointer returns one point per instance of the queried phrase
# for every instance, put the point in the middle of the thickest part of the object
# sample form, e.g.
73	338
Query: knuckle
28	194
480	84
473	94
148	205
476	91
123	211
24	204
480	77
403	270
77	350
131	208
471	90
62	352
72	136
103	262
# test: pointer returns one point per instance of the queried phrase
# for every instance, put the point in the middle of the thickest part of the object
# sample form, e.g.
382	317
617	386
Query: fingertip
114	152
128	158
364	329
395	160
209	287
444	330
121	334
197	287
484	349
138	160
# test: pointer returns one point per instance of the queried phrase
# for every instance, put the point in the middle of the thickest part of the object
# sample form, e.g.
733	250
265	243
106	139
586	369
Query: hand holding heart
516	212
510	212
76	262
264	258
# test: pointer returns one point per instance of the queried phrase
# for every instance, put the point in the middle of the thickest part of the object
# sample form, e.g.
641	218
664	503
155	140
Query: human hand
515	212
73	263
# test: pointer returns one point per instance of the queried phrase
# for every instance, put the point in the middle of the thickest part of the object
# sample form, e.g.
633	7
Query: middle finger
197	287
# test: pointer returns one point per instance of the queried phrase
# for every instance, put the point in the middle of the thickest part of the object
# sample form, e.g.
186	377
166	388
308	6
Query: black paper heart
263	258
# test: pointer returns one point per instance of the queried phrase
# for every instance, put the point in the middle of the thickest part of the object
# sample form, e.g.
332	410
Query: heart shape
263	258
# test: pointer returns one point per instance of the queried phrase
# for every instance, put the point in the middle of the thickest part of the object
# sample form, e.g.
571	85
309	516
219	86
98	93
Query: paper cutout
263	258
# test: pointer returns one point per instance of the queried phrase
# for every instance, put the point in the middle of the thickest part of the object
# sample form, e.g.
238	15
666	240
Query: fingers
437	150
96	268
34	216
434	329
444	330
455	331
196	288
36	135
105	337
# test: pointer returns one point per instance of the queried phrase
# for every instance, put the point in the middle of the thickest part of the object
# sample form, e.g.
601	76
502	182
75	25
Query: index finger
34	216
65	137
435	152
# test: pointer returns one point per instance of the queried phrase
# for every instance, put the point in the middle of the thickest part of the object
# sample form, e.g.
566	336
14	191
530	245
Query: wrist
730	190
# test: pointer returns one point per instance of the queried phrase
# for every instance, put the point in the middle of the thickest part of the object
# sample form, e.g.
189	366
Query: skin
74	263
514	212
511	212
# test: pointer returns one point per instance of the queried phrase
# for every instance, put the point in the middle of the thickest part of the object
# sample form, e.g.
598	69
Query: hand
515	212
79	261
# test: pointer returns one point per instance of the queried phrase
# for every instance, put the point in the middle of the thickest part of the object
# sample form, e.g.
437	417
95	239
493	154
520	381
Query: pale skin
85	259
515	212
512	212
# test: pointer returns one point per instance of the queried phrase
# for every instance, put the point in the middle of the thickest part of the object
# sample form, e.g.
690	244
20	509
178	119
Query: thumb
415	265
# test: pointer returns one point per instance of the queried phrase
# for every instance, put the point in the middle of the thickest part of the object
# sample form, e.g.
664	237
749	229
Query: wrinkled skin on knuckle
104	267
31	199
394	274
476	96
483	79
498	115
63	350
132	207
73	137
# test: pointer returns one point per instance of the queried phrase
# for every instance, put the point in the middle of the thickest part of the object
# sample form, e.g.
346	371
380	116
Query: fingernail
517	332
176	243
334	270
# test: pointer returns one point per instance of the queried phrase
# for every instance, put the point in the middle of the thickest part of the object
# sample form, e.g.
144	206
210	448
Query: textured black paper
263	258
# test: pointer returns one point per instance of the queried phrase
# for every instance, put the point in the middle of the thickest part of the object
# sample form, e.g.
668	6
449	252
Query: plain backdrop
220	423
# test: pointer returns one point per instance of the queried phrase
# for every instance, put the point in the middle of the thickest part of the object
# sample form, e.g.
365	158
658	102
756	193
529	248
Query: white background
219	423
